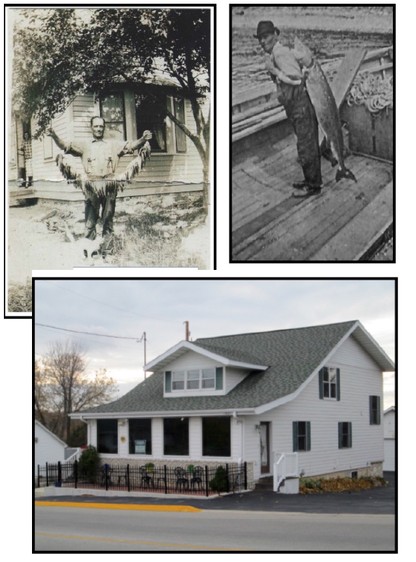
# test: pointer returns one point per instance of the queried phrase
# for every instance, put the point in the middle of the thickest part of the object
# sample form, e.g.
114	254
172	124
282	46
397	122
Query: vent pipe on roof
187	332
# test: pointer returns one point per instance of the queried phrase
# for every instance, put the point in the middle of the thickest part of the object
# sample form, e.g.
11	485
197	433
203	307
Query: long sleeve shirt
284	59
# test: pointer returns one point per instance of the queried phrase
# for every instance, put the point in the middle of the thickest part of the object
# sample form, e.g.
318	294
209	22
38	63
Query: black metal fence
198	480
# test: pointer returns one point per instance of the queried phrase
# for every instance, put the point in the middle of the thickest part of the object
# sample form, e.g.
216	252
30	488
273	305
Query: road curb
120	506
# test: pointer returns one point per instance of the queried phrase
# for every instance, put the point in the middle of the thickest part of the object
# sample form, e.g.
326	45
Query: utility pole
144	340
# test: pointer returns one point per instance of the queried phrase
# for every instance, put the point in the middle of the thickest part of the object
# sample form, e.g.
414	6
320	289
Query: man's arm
68	148
132	145
281	76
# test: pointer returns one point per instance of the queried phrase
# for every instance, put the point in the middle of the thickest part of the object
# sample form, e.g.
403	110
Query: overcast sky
126	309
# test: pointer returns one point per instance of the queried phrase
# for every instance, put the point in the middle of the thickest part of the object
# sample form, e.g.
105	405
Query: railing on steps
285	466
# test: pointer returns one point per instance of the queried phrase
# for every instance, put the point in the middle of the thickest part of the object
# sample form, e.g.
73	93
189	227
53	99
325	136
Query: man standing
285	70
99	158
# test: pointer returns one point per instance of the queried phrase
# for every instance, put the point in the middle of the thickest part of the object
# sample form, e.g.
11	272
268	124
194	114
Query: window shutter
308	436
339	435
178	104
349	434
219	378
378	410
338	384
295	436
321	382
168	381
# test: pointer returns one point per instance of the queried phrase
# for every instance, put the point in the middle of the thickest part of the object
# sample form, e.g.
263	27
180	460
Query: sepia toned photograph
109	140
312	125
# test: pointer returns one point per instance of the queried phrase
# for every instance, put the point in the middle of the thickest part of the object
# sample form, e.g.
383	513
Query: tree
60	53
62	386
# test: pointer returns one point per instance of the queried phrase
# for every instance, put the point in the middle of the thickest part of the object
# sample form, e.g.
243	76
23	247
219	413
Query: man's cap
264	28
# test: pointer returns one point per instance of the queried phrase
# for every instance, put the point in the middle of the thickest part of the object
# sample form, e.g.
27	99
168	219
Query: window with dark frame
140	436
344	435
216	436
375	405
301	436
176	436
107	436
151	115
113	111
329	383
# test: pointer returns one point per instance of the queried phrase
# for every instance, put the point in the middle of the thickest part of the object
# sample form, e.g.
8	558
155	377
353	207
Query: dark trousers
94	202
301	113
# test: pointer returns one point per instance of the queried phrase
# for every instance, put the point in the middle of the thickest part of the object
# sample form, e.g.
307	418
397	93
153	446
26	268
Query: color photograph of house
255	397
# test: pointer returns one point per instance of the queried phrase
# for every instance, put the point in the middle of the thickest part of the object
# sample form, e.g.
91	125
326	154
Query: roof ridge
275	331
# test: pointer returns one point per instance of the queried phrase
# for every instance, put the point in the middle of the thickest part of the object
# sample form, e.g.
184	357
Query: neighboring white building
317	391
48	447
390	439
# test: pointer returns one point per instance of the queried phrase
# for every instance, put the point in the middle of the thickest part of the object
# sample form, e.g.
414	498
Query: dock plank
371	223
269	224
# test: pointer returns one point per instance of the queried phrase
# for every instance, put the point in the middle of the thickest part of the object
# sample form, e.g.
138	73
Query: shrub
219	482
89	463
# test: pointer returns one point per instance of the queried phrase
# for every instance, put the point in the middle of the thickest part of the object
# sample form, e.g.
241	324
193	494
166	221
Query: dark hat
264	28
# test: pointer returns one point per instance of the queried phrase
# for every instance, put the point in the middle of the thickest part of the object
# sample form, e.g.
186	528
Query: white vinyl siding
48	448
360	377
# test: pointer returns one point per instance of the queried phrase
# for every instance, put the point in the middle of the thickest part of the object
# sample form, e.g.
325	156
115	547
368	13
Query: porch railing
198	480
285	466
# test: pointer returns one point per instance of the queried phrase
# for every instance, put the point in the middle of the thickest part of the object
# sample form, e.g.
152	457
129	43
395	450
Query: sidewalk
375	501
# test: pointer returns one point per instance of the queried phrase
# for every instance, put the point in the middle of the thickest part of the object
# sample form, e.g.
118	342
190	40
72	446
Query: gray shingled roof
292	356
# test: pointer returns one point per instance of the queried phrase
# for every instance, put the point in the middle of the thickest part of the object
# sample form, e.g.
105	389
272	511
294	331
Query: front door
265	447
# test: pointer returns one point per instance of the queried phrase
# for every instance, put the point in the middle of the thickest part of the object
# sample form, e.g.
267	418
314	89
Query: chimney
187	332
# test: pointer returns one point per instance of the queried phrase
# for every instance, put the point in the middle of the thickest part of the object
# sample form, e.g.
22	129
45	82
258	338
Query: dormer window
208	378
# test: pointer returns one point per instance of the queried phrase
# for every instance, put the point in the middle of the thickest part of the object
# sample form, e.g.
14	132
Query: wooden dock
347	221
342	223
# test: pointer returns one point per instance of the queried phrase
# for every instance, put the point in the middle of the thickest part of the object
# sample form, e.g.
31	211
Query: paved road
87	528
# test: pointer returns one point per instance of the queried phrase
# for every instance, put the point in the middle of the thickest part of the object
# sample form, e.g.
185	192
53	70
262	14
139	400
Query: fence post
38	476
47	475
75	473
106	466
206	481
128	477
245	475
165	472
227	476
59	473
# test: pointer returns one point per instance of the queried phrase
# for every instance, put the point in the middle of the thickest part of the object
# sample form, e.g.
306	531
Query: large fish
326	110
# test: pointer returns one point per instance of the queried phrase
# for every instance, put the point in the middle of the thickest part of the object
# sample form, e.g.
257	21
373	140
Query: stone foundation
374	469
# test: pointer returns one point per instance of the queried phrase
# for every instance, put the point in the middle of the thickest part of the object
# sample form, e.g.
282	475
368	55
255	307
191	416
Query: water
247	57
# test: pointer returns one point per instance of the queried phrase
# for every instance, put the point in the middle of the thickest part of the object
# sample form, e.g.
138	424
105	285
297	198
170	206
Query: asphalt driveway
375	501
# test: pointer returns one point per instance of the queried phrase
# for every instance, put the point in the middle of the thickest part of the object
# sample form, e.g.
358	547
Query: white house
48	447
317	391
128	109
390	439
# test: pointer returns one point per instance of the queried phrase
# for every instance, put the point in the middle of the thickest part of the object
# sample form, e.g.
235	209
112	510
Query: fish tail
345	173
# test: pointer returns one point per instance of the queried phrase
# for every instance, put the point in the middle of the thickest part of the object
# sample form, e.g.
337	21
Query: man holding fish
303	109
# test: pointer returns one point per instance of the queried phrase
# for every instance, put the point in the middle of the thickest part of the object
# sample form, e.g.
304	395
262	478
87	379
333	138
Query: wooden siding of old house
360	378
74	123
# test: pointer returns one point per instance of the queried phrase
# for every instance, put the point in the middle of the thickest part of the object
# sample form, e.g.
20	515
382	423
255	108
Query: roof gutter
233	412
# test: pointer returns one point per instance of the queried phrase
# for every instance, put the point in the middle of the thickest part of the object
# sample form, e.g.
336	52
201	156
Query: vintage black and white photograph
109	140
312	125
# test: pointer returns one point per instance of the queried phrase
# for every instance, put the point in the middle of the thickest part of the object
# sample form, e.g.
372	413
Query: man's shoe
307	191
299	184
